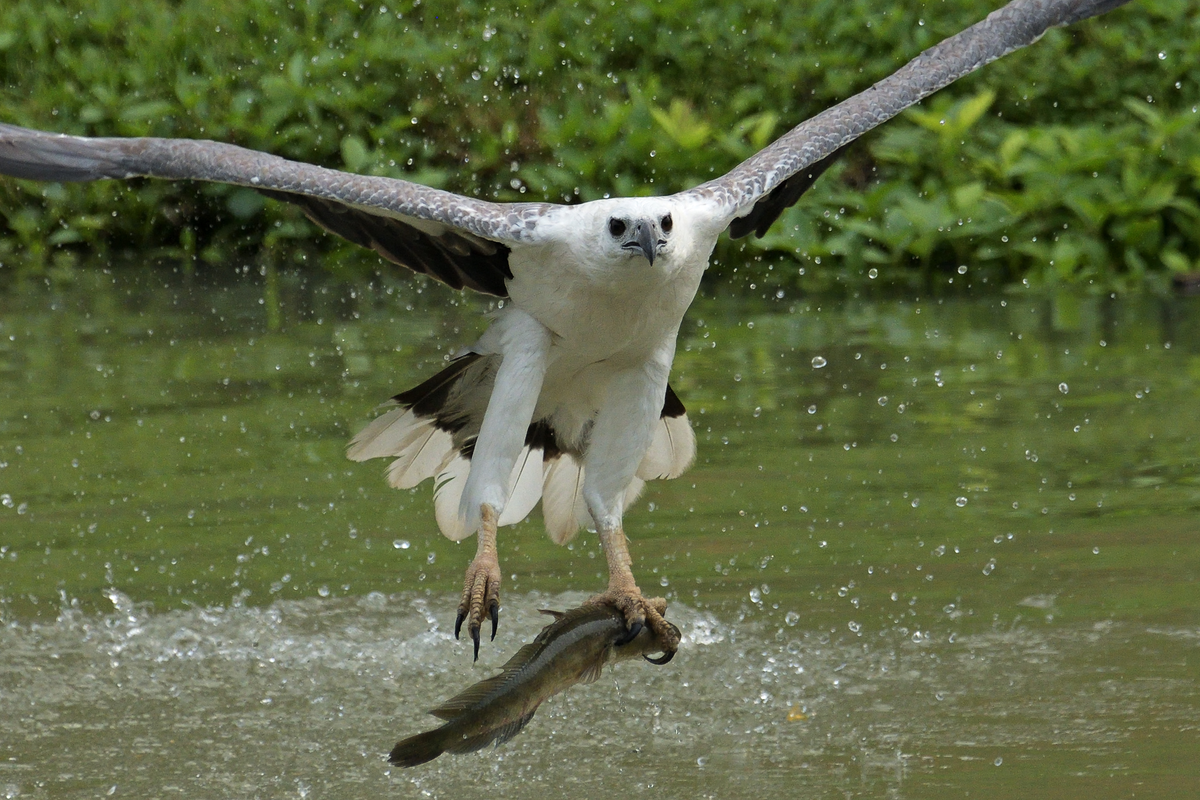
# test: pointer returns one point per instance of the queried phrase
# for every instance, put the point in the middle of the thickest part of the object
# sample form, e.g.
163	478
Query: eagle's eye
666	224
616	227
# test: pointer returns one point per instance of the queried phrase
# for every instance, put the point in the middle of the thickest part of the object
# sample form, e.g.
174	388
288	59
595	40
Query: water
958	557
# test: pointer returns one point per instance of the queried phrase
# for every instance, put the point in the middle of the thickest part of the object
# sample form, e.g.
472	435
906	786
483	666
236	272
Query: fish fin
498	736
592	673
464	700
420	748
479	692
510	730
556	614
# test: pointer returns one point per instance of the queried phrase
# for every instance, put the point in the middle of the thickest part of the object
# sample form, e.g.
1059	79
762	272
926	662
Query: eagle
564	399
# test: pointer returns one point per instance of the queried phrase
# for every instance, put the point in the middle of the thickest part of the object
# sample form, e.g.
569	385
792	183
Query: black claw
663	659
630	634
475	636
494	613
458	621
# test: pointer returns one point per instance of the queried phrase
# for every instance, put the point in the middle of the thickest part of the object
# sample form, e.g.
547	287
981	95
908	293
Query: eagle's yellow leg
624	595
481	587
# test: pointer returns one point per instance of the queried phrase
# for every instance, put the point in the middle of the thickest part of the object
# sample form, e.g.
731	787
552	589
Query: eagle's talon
630	635
494	614
458	621
663	659
640	611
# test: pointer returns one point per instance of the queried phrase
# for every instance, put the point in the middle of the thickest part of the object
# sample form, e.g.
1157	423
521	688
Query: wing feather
459	240
743	196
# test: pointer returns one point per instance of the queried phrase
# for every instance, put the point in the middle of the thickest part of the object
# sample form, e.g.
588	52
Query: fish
573	649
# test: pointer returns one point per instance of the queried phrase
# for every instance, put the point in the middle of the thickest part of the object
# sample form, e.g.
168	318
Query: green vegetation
1073	161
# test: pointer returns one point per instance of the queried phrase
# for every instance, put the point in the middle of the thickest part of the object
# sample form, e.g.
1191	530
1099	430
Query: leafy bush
1070	161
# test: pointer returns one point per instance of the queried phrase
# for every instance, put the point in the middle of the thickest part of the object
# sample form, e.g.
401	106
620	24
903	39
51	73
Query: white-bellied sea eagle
564	398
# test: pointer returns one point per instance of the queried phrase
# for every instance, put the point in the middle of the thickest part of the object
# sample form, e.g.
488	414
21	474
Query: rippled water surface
930	548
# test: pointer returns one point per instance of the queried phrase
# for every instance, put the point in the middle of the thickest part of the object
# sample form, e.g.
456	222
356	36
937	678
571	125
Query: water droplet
791	618
883	401
818	362
916	502
962	269
998	761
401	544
757	411
854	626
1095	551
872	273
323	591
812	409
1062	387
989	567
960	501
755	595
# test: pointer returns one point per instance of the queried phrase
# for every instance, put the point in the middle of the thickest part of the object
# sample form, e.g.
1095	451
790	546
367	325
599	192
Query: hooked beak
643	239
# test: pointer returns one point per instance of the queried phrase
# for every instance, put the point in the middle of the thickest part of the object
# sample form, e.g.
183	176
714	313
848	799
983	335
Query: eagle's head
655	237
639	234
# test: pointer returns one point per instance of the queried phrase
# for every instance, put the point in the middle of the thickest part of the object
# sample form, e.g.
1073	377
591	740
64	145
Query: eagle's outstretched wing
458	240
754	193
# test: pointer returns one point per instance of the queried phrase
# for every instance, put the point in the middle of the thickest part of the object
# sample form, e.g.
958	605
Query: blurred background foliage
1072	162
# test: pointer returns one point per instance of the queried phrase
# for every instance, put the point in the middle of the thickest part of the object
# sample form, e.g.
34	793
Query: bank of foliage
1073	161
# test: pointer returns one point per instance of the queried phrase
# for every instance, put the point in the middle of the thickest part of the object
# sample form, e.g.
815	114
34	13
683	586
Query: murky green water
962	556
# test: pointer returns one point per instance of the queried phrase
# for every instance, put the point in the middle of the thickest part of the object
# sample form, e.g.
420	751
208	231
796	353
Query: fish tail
418	749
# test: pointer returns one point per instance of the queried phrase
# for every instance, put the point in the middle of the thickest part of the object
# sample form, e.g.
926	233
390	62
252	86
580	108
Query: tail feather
525	487
563	509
